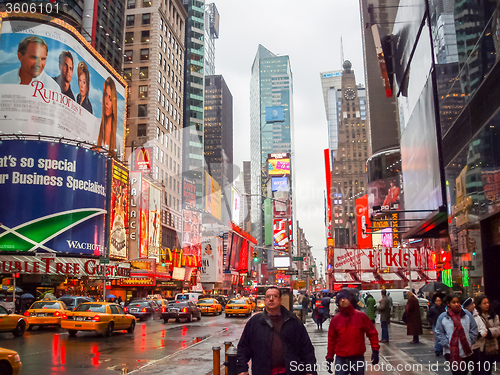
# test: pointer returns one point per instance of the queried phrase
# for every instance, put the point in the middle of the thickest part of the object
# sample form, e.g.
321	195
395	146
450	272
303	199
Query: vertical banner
243	263
280	234
211	260
328	194
154	219
363	222
191	233
119	211
268	222
135	215
188	193
144	218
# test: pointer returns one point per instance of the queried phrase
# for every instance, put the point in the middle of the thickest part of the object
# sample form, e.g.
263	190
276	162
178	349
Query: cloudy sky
310	33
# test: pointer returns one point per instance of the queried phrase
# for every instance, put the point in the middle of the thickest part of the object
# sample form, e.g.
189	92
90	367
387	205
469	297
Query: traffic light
255	257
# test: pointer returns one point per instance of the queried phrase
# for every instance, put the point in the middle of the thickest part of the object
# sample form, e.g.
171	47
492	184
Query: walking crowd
465	332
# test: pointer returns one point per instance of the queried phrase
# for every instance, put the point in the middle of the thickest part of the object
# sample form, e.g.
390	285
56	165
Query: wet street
52	351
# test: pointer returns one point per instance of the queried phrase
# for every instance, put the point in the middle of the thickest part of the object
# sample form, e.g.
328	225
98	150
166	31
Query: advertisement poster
143	159
279	184
134	243
47	98
191	233
154	219
212	196
236	207
363	222
144	248
369	259
118	211
188	193
280	238
275	114
279	166
385	193
53	198
211	270
243	263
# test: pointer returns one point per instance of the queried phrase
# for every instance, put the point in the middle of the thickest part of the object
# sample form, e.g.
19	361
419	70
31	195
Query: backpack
321	310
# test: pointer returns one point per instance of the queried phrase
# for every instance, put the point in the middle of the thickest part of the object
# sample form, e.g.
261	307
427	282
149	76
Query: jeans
349	365
437	346
385	330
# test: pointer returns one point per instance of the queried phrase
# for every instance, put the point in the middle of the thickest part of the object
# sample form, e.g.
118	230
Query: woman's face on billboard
82	84
108	102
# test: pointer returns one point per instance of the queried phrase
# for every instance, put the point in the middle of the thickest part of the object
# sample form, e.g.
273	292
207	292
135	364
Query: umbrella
10	289
325	291
110	296
27	295
433	287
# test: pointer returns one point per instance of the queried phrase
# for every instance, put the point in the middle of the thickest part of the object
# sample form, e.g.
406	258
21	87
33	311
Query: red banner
243	263
363	222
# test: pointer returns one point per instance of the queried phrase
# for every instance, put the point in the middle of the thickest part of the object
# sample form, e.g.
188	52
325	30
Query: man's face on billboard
66	69
34	60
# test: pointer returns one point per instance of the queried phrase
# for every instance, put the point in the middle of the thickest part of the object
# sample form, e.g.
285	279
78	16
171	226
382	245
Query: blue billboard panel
53	198
279	183
275	114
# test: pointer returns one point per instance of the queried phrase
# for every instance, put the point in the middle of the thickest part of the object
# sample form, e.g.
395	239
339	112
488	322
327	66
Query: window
162	157
141	130
142	110
159	76
158	112
143	72
157	133
130	20
129	37
145	36
165	65
160	58
163	100
159	95
161	38
143	91
128	56
127	74
130	4
168	53
168	87
146	3
163	119
144	54
146	18
163	82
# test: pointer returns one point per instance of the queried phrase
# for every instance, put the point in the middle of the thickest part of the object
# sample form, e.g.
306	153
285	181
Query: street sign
291	272
298	259
103	260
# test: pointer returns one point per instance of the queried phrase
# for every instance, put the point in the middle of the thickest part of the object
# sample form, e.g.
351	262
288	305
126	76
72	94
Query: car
251	301
259	303
101	317
238	307
10	362
73	301
191	296
45	313
209	306
143	310
12	323
181	310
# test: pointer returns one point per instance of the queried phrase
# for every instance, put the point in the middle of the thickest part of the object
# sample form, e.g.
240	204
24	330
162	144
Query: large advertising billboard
118	211
363	223
188	193
53	198
154	220
135	215
280	234
211	270
275	114
236	207
212	196
279	167
373	259
191	233
54	83
144	237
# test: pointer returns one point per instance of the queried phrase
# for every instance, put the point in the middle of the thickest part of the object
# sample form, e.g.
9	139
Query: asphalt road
52	351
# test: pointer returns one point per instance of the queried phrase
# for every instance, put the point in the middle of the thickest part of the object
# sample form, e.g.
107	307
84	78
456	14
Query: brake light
184	310
96	318
26	313
57	313
125	309
138	305
144	309
64	317
212	306
163	309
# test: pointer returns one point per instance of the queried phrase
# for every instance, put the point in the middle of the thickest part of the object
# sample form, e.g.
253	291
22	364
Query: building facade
211	34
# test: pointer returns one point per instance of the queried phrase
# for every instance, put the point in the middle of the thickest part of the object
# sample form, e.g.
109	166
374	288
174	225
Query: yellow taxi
12	323
251	302
238	307
209	306
45	313
101	317
260	305
10	360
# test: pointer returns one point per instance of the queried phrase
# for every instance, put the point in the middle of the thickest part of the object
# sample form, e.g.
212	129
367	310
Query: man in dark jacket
346	338
384	308
276	341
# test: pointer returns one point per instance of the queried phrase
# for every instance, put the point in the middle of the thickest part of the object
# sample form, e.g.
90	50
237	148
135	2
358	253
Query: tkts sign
372	259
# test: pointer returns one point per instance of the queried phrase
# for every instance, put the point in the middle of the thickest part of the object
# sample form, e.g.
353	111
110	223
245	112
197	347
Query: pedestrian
370	306
456	331
437	308
384	308
276	341
488	345
413	319
346	338
470	306
325	302
119	300
305	306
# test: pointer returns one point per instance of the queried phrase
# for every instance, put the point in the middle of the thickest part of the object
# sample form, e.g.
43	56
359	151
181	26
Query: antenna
341	52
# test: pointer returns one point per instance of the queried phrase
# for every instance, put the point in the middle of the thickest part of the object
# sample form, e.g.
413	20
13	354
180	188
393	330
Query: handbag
491	344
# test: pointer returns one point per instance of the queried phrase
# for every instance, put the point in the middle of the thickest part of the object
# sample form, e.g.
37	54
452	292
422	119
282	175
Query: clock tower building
349	164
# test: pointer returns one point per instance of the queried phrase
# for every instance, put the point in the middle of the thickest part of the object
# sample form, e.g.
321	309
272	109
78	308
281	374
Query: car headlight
17	358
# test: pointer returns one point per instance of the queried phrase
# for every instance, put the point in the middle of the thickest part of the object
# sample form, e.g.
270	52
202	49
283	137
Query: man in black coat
276	341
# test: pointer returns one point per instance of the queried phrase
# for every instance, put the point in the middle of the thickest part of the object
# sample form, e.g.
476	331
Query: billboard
142	159
279	167
191	233
212	196
371	259
211	270
235	212
144	236
188	193
280	237
275	114
154	220
58	85
279	184
386	193
53	198
134	244
118	211
363	222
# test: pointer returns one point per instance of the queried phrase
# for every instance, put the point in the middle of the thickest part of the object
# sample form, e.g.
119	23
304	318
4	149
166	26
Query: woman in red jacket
346	338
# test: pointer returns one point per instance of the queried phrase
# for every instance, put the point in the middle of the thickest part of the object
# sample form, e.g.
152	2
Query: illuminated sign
275	114
118	211
279	166
279	184
143	159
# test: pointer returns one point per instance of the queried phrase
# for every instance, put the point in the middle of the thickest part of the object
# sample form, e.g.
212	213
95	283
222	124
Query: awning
433	226
390	276
432	275
367	276
414	276
342	276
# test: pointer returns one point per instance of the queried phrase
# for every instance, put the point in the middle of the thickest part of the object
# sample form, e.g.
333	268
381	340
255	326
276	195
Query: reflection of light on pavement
184	330
63	353
55	349
162	343
95	351
143	329
183	344
163	333
143	345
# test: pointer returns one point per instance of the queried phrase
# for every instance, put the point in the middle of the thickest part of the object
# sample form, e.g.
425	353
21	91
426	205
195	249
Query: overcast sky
309	33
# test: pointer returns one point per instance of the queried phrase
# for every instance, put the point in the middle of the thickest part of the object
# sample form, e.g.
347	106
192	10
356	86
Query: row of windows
132	3
130	19
170	39
166	86
143	73
129	36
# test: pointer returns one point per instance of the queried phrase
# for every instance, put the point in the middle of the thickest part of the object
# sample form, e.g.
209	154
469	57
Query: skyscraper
211	33
331	83
271	94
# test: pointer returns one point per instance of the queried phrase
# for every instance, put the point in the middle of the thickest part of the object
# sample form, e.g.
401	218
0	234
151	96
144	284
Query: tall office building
331	83
211	33
154	68
193	158
271	95
348	168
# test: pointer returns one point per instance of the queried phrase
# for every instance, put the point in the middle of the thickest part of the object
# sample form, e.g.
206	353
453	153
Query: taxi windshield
46	305
206	301
91	307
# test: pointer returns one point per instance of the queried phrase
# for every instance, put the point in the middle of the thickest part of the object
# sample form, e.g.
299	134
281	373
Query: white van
191	296
398	296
